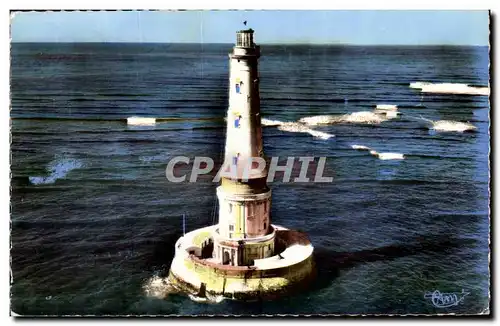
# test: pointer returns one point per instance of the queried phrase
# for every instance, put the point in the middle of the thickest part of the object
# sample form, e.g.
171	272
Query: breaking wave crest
207	299
419	85
158	287
388	156
449	125
300	127
296	127
320	134
362	117
319	120
141	121
380	156
450	88
58	169
268	122
360	147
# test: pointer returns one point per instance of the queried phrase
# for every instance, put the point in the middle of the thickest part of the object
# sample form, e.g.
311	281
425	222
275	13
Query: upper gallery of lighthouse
244	130
245	44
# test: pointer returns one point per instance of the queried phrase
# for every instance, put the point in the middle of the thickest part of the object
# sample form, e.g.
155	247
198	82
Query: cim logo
289	169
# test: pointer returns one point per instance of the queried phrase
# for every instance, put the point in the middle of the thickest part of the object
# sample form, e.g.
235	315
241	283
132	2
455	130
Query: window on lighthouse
251	212
237	121
238	85
235	159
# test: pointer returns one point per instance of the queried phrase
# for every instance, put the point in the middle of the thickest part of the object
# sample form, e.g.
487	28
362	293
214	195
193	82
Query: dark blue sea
94	219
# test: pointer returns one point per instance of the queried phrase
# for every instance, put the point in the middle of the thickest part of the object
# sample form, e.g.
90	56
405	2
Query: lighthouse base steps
289	270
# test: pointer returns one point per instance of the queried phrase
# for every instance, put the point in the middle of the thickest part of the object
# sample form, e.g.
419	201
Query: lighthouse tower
244	231
243	256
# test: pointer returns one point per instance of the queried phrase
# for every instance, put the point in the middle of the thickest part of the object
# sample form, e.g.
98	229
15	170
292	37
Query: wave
386	107
319	120
107	119
380	156
359	147
450	88
390	110
58	169
158	287
207	299
419	85
268	122
299	127
448	125
320	134
141	121
296	127
388	156
362	117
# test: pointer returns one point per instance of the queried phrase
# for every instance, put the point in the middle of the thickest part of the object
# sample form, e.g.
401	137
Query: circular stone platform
291	268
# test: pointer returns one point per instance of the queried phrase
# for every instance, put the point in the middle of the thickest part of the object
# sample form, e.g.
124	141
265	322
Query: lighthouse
244	231
244	255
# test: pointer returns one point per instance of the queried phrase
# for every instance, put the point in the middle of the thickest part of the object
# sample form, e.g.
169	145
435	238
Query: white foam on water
319	120
320	134
158	287
300	127
361	117
388	156
388	114
196	298
365	117
296	127
58	169
391	156
419	85
390	110
268	122
208	299
386	107
450	88
391	114
141	121
449	125
381	156
361	147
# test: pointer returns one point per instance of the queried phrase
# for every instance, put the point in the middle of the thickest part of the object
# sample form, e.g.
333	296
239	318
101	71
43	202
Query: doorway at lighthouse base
289	269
